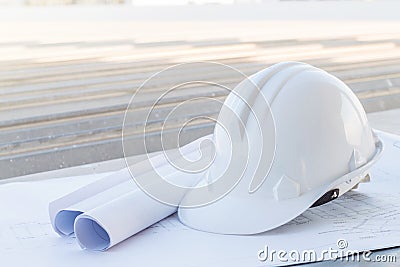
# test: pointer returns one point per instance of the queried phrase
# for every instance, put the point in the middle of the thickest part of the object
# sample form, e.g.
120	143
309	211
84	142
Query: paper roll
114	208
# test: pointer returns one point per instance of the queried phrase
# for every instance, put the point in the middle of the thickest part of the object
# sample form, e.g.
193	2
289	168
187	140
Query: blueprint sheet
367	218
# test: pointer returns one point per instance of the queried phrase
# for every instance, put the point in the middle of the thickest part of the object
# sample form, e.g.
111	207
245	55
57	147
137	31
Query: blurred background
68	68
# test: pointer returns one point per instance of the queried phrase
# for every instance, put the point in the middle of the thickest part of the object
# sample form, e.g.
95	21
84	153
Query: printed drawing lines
360	214
169	224
35	235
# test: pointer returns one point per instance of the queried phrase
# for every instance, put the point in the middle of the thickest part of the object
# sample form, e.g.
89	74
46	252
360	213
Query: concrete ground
65	83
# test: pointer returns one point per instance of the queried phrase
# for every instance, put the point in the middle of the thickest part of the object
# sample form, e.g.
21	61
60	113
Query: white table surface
387	121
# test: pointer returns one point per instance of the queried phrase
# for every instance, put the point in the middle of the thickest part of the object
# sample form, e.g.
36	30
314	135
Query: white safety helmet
315	143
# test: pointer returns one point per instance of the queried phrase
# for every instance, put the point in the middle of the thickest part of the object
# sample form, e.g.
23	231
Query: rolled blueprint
110	210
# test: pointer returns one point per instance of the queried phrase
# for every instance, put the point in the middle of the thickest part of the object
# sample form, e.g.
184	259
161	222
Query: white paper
368	219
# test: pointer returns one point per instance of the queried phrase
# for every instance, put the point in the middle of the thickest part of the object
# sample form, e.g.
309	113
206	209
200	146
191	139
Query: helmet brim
255	215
